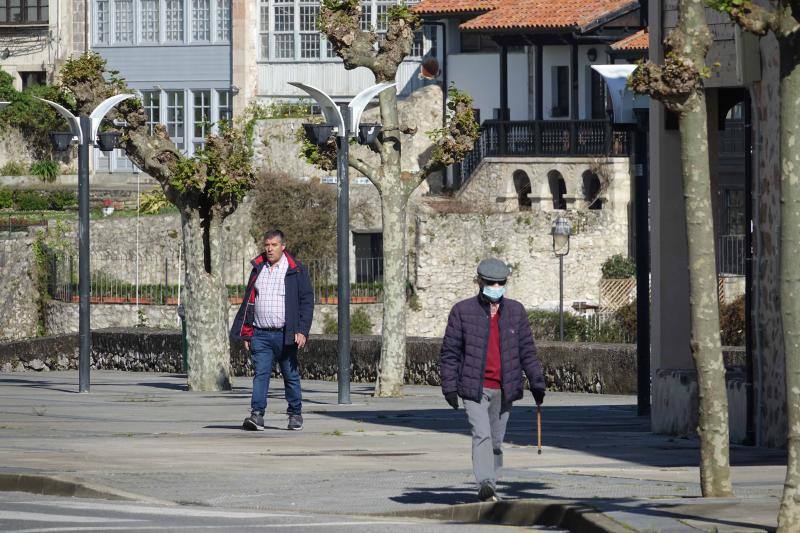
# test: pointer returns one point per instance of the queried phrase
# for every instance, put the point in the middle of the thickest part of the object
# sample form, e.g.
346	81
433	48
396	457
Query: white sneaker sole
251	426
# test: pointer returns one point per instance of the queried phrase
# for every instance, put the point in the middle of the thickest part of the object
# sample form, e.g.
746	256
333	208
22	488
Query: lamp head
561	231
107	140
318	134
61	140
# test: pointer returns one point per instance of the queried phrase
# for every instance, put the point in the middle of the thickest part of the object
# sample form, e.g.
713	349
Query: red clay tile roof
435	7
637	41
530	14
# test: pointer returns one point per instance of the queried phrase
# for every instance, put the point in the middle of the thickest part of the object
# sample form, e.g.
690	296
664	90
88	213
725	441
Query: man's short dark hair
271	234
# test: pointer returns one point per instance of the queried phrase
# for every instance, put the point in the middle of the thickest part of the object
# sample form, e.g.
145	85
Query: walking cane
539	427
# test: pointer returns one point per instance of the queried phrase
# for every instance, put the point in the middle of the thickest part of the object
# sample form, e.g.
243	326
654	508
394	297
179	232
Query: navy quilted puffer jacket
463	357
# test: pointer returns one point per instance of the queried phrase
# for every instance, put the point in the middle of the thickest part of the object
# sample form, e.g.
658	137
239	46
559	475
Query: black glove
452	399
538	396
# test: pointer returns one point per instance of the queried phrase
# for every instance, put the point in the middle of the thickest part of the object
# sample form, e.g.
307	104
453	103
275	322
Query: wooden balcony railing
543	138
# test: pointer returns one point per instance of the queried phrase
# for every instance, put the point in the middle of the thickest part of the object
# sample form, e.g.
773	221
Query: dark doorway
597	95
591	190
522	184
558	189
368	256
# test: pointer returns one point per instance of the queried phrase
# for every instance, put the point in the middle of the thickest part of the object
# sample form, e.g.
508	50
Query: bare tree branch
365	168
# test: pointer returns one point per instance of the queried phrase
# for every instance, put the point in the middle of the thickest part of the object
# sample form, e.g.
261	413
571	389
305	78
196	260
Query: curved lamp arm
72	120
361	100
328	106
103	108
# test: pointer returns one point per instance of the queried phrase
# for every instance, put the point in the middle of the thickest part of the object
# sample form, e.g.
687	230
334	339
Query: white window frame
267	34
219	27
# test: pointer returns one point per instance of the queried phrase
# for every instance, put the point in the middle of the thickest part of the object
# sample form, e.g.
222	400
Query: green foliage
457	139
322	157
32	118
6	198
618	267
304	211
31	201
46	170
402	11
341	5
545	326
726	6
12	168
40	278
81	73
153	202
330	326
61	200
731	322
360	323
626	318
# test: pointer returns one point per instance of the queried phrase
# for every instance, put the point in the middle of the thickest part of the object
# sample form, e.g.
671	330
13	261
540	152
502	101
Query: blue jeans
265	348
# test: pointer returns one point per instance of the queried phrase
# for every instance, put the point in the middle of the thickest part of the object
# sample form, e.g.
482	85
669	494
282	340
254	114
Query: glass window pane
149	20
284	46
366	15
175	117
202	113
223	20
201	20
123	21
102	21
151	101
284	18
224	105
174	14
264	30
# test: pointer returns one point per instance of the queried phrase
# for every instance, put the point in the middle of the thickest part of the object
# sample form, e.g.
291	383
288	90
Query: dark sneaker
254	422
487	493
295	422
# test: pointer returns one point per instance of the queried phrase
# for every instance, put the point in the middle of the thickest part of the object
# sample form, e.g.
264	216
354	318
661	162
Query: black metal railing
543	138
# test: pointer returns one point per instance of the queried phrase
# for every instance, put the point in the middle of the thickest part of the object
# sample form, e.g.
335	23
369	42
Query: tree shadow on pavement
39	384
612	431
457	495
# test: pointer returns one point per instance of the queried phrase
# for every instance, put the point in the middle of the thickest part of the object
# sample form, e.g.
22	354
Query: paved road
27	513
142	433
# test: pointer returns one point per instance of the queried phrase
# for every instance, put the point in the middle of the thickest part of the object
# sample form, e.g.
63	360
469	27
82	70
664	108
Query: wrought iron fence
543	137
731	254
160	281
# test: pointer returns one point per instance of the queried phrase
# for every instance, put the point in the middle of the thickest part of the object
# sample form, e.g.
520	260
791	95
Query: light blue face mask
494	293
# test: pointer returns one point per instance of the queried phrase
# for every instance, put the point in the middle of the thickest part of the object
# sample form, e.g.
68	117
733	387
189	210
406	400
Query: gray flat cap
493	270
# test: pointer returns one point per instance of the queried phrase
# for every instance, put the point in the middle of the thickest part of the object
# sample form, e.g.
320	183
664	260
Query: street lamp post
561	231
345	127
83	131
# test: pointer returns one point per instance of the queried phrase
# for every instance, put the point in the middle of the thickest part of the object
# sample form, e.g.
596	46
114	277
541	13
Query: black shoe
254	422
295	422
487	493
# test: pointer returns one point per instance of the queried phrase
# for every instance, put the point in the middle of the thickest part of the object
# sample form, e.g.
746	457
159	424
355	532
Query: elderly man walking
273	321
486	346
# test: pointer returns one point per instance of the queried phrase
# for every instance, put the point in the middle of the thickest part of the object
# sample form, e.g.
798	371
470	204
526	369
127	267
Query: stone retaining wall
598	368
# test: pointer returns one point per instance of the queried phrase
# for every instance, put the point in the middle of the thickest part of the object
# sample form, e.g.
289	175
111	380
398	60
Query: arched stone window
591	190
558	189
522	184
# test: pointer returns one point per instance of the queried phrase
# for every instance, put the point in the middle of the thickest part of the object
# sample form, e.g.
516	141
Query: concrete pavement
142	436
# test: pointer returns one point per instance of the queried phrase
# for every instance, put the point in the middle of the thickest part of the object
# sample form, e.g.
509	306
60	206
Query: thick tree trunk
706	346
393	346
789	514
206	304
394	192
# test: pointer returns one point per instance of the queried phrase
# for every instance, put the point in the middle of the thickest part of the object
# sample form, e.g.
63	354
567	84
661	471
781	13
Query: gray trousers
488	420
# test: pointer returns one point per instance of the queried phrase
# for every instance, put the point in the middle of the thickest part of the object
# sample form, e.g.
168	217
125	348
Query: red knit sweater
492	376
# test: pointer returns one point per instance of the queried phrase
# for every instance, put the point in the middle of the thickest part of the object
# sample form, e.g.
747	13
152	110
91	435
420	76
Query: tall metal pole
642	226
343	266
561	298
84	331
